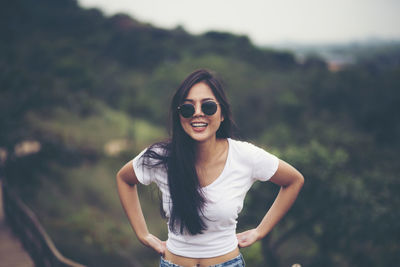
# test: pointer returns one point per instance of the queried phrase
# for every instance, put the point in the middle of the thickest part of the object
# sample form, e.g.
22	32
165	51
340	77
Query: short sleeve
152	170
143	173
264	164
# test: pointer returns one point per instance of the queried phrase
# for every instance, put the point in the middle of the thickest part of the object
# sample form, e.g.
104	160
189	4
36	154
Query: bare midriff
199	262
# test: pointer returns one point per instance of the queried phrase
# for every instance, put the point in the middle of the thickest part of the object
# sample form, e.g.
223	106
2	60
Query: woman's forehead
200	91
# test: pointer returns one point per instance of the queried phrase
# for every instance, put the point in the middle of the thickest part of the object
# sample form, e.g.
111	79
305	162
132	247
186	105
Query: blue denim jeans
235	262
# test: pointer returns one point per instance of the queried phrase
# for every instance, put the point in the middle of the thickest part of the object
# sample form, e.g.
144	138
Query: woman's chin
201	136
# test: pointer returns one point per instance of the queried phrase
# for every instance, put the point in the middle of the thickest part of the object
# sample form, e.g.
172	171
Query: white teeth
198	124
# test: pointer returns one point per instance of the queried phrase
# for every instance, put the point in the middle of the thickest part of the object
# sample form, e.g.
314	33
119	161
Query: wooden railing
27	227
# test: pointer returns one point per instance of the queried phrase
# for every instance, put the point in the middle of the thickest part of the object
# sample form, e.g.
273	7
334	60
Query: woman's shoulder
245	148
263	163
240	144
160	148
154	155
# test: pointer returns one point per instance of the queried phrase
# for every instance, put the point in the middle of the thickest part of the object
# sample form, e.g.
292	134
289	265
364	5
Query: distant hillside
342	55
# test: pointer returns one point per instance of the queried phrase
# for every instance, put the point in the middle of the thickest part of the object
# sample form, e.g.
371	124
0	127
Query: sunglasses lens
209	108
186	110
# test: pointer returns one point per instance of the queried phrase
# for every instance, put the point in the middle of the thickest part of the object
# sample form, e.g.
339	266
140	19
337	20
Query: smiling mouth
198	124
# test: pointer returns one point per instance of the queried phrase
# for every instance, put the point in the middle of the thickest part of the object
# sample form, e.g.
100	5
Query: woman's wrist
260	233
144	238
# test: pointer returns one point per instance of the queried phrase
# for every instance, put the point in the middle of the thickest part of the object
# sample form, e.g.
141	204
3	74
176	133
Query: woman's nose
197	110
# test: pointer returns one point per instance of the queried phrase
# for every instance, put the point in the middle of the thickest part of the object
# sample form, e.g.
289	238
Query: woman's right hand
155	243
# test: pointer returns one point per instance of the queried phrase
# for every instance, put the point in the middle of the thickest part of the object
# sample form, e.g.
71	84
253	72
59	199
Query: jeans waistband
238	261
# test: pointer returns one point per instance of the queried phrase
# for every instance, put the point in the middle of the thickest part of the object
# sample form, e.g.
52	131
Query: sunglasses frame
194	109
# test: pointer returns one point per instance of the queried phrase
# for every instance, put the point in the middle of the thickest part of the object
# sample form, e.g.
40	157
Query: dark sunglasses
187	110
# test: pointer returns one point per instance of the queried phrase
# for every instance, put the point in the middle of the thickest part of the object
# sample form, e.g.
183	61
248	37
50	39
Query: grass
95	131
79	206
83	214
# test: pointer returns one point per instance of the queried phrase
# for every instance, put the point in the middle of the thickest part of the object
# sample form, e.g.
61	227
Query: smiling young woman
203	175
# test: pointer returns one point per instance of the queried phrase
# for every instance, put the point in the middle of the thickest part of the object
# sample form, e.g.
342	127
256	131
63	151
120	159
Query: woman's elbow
300	180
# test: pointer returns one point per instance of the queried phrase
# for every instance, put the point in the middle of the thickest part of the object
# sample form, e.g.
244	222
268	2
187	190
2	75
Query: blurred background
85	85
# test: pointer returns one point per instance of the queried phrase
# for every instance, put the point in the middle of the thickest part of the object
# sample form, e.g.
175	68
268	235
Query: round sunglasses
187	110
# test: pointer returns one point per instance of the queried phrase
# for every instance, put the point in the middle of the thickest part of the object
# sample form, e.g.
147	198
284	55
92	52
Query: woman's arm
291	182
127	190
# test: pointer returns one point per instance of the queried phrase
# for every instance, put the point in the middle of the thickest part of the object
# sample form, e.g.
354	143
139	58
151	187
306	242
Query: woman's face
201	127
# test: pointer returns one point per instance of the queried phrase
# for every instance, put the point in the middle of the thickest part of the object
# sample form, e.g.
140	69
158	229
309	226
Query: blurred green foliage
78	81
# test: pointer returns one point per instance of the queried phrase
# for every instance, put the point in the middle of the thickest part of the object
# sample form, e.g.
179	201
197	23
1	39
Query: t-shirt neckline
225	167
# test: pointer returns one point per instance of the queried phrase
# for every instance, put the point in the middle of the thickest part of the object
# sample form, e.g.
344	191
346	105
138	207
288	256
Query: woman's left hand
247	238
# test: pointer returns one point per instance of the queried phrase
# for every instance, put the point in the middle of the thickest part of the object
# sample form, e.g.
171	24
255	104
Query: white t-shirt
245	164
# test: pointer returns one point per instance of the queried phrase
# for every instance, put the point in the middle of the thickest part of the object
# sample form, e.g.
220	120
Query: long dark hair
180	157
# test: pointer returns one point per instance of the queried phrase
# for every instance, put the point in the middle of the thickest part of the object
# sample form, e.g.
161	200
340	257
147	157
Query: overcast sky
268	22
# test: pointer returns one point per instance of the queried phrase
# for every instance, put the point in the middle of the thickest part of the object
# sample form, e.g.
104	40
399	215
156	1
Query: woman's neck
208	151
